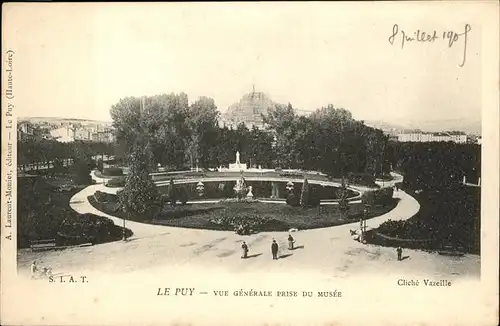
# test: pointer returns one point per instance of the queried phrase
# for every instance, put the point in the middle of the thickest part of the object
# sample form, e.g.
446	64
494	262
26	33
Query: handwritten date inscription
450	37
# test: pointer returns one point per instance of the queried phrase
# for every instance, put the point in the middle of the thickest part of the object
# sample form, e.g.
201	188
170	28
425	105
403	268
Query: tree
183	195
162	119
304	194
343	203
82	164
140	196
172	193
100	164
280	120
203	127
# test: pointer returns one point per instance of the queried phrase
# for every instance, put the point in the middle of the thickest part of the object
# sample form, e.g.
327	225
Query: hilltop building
248	110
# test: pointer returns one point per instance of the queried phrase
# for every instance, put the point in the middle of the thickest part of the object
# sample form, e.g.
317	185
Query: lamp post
365	216
123	231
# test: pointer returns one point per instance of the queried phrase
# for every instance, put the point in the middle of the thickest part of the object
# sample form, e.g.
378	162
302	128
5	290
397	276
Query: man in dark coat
400	253
291	241
274	249
244	249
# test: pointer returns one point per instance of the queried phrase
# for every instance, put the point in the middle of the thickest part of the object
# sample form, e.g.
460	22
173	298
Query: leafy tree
100	164
203	126
139	197
343	203
82	164
281	121
172	193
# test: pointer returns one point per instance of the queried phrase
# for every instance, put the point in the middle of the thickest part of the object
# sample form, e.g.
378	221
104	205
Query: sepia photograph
250	163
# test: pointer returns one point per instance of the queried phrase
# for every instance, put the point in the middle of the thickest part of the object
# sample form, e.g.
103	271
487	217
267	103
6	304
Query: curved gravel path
327	251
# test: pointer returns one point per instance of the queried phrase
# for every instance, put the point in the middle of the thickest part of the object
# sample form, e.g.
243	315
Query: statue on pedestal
240	188
250	194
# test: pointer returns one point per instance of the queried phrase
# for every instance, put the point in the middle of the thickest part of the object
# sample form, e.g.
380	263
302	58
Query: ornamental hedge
378	197
116	182
104	197
112	171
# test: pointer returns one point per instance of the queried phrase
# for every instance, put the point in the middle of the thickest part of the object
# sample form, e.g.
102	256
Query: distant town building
103	137
83	134
25	130
419	136
63	134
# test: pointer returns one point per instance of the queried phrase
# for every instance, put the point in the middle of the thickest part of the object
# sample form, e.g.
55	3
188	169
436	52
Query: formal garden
173	164
229	206
43	210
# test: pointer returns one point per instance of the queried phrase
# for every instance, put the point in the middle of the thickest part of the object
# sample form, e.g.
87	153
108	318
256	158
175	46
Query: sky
76	60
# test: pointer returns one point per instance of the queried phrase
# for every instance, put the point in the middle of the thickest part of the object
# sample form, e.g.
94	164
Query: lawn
279	217
446	216
43	212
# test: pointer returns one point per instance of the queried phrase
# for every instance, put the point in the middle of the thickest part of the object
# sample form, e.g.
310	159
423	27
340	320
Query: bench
42	244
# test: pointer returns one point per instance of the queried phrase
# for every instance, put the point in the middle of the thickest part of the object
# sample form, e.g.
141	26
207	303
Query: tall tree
203	126
140	196
304	194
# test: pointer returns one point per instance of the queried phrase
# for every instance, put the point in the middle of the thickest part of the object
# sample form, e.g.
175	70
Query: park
195	194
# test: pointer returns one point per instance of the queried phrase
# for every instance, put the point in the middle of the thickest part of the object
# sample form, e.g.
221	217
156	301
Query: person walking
274	249
400	253
244	249
291	241
33	269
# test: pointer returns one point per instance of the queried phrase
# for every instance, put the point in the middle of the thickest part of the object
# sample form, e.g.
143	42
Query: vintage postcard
243	163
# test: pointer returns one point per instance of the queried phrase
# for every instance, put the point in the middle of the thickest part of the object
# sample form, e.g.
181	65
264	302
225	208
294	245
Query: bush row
248	223
90	228
116	182
112	171
378	197
104	197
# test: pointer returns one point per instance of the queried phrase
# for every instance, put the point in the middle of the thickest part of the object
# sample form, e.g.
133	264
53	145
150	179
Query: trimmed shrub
314	198
112	171
292	200
378	197
103	197
228	191
363	179
172	193
245	224
116	182
304	194
100	164
90	228
183	195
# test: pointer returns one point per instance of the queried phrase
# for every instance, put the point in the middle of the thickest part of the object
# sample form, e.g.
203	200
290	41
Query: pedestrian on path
33	269
400	253
274	249
291	241
244	249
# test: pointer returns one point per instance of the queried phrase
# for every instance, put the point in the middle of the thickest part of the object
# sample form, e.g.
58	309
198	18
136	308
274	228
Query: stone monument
237	166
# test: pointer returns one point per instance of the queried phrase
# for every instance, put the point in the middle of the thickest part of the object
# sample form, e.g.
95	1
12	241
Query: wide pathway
329	251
